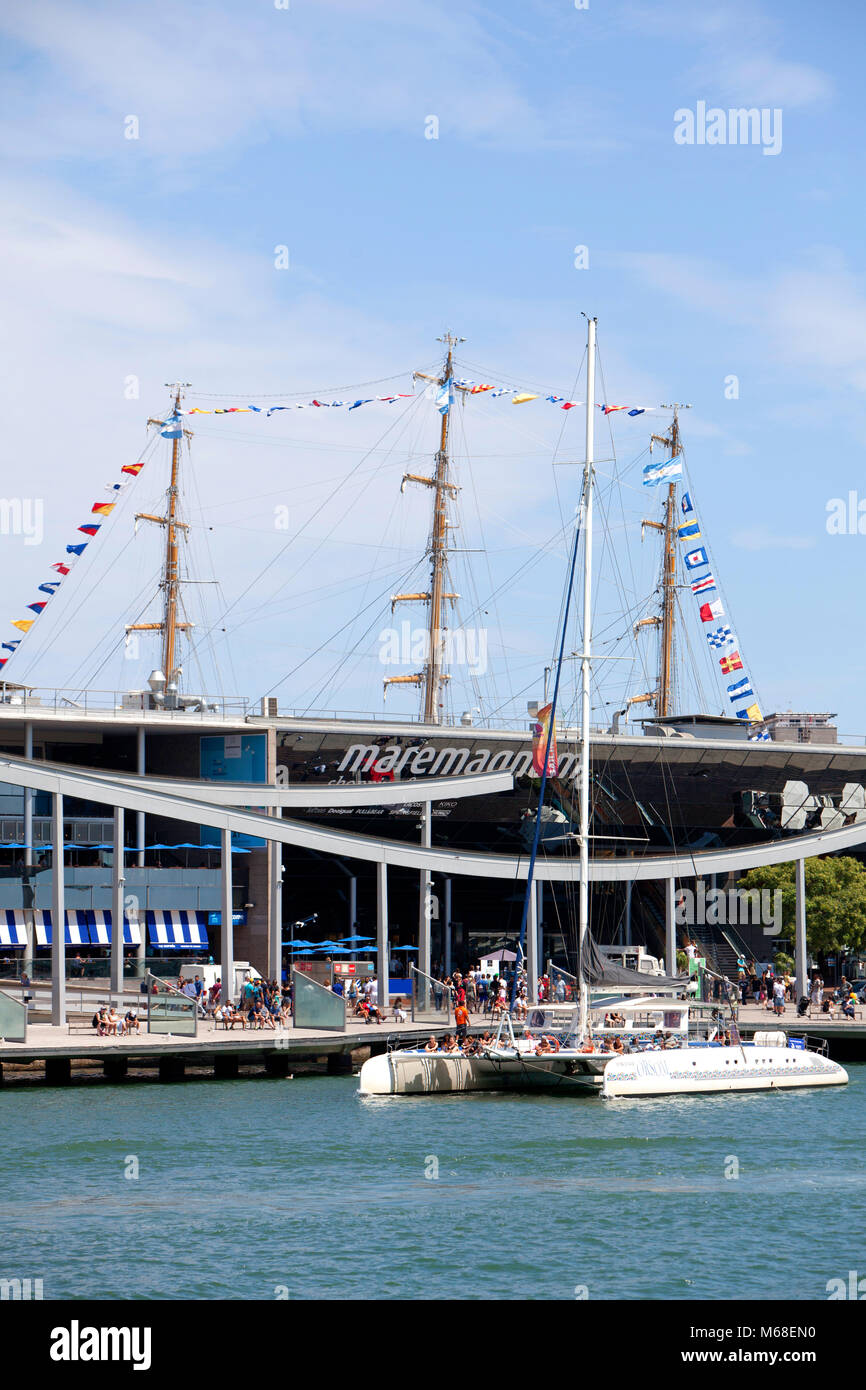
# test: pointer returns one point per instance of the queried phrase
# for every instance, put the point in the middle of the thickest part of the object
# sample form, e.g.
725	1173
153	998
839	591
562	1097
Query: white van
633	958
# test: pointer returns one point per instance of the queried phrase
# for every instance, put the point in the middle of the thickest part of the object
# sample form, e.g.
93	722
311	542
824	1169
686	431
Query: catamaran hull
419	1074
704	1071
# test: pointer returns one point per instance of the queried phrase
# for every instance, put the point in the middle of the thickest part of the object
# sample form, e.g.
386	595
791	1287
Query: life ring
549	1038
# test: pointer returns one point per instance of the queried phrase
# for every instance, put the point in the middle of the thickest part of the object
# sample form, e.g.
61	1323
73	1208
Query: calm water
244	1186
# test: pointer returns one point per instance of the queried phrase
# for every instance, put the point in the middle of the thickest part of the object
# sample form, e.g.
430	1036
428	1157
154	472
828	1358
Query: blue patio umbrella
404	948
357	938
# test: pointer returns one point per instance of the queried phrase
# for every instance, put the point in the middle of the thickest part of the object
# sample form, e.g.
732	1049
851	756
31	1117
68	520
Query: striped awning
77	927
174	930
100	929
12	929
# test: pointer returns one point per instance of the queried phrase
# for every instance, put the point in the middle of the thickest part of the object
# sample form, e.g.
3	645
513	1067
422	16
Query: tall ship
665	771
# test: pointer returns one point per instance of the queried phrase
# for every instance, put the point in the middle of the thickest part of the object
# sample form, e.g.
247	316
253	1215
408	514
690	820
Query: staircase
713	943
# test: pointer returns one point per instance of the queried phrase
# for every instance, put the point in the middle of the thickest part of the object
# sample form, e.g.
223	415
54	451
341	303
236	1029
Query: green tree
835	900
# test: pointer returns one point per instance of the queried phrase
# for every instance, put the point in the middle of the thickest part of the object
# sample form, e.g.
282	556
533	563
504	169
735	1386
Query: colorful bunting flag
61	569
752	713
103	508
656	472
740	690
689	530
77	549
23	624
703	586
730	664
721	638
133	468
710	611
90	529
696	558
37	607
686	504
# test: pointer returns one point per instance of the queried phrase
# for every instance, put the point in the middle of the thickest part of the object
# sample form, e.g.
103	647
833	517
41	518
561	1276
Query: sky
430	169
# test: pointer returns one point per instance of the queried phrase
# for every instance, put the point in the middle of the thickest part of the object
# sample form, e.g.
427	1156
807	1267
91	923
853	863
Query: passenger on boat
449	1043
543	1046
616	1044
588	1046
470	1047
432	1044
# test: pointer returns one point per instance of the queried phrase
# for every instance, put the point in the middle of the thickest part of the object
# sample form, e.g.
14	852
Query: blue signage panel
233	758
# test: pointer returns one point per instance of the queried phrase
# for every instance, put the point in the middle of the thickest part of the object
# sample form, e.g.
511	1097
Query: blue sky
305	127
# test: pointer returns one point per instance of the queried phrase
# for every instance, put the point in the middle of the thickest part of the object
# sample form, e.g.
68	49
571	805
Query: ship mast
170	625
662	697
432	678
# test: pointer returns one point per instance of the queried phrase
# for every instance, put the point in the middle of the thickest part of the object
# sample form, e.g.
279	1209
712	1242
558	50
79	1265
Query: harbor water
264	1189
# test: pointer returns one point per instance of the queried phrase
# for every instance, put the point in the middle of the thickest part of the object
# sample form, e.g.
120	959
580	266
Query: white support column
539	950
800	967
671	926
382	950
28	855
425	891
141	767
425	896
629	885
275	916
446	928
227	935
532	948
117	885
58	915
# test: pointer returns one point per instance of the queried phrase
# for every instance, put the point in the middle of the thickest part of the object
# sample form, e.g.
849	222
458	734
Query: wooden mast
436	615
170	626
662	697
432	678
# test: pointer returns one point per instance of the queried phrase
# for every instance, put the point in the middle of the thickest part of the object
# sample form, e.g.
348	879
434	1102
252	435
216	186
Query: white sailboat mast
585	673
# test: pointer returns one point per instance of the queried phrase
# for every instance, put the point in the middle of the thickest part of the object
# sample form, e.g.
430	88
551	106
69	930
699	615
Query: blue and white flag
703	586
686	504
656	472
445	396
762	737
721	638
696	558
740	690
172	427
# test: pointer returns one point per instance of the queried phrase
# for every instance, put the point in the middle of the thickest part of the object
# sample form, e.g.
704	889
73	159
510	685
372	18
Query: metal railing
75	701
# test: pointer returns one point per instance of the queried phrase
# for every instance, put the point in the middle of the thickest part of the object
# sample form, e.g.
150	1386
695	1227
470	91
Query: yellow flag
753	714
23	624
525	396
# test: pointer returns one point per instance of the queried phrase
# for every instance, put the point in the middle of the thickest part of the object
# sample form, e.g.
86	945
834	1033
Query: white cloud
199	78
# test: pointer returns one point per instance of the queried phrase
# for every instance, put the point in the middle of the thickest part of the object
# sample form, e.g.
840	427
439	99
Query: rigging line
550	726
113	649
68	596
348	623
291	540
286	395
473	585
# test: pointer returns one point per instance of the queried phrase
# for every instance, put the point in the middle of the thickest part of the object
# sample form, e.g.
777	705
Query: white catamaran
617	1047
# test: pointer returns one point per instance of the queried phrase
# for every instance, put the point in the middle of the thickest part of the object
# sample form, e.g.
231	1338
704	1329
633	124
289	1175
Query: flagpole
585	672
